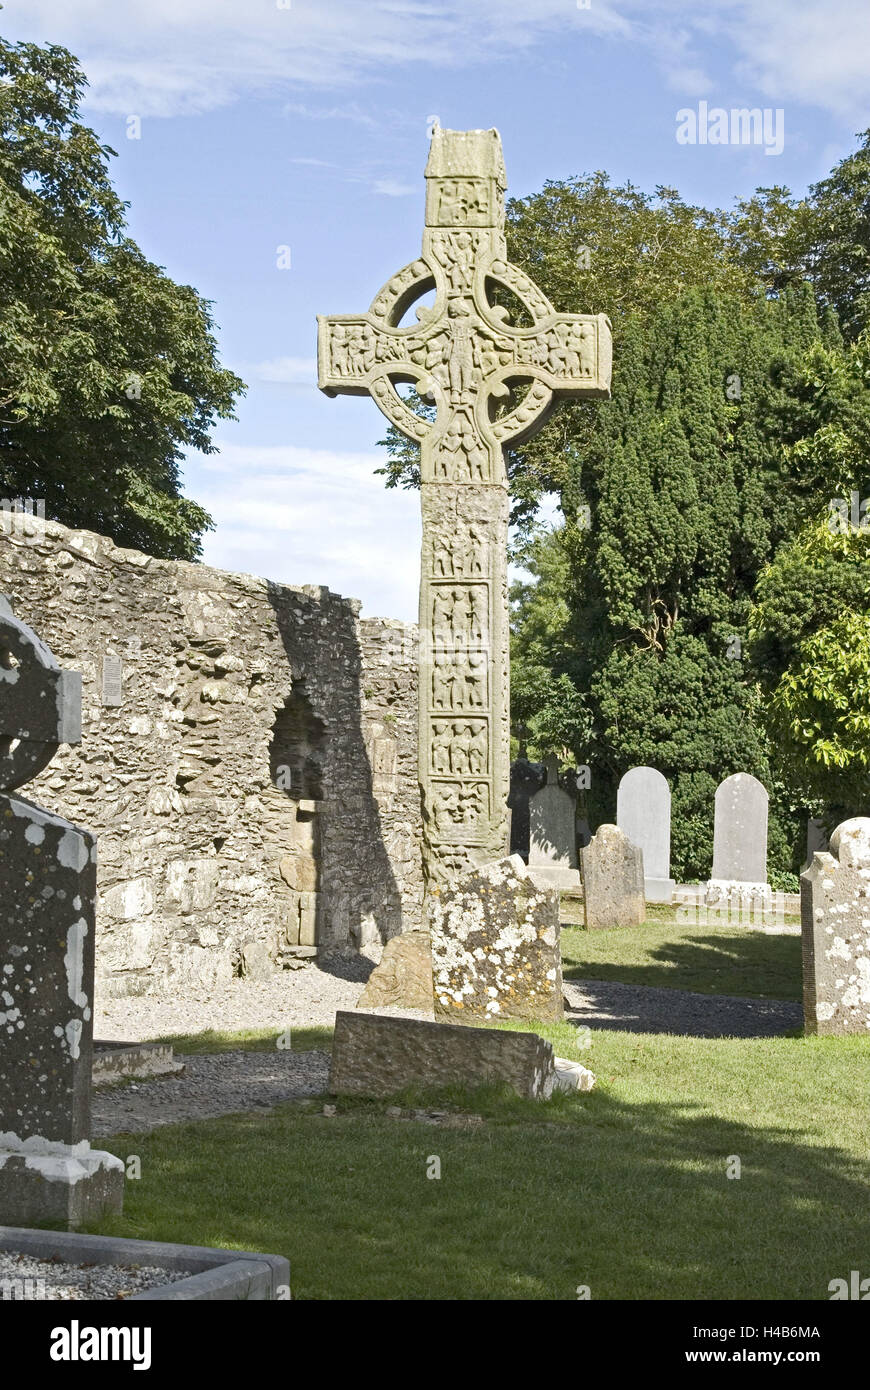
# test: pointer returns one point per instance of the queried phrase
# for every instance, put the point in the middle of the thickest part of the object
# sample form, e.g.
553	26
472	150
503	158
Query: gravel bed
219	1084
648	1009
23	1277
291	998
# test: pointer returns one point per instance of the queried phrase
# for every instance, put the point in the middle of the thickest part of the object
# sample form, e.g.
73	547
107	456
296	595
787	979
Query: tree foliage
108	369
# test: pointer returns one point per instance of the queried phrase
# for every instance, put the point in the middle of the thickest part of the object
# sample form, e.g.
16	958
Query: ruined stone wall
248	759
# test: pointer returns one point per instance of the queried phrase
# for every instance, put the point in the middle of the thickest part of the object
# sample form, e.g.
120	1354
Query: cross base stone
67	1185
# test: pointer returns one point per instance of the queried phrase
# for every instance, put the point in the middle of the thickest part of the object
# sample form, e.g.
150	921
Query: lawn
624	1190
674	955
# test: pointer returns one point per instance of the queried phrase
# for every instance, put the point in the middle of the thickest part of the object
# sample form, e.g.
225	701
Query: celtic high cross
466	356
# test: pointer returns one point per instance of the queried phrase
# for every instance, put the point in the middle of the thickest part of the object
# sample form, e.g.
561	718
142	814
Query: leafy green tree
810	623
836	237
646	610
108	370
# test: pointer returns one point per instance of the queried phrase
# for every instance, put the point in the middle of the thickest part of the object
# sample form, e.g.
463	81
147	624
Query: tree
810	623
108	369
837	239
646	610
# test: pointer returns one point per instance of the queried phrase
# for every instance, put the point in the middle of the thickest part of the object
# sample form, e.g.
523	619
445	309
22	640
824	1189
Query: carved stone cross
492	382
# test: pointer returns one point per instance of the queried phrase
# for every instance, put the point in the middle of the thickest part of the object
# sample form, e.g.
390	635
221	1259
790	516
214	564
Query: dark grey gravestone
643	813
526	779
553	832
612	880
835	928
373	1055
817	840
48	1171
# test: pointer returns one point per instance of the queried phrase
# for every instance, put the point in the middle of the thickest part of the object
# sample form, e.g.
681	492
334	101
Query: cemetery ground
624	1190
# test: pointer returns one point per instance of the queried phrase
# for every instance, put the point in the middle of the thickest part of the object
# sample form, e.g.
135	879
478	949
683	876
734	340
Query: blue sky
268	124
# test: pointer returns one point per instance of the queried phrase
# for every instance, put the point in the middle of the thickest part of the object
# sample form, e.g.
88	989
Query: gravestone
612	880
48	1170
526	779
403	976
373	1055
835	929
739	841
465	356
553	833
817	840
643	812
495	946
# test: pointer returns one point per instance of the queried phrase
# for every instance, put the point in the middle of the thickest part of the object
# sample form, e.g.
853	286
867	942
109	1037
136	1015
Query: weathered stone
48	1171
643	813
461	354
739	841
835	922
572	1076
200	808
375	1055
404	975
495	946
612	880
255	962
553	833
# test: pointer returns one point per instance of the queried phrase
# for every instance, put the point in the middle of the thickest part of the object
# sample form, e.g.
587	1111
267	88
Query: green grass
624	1189
248	1040
709	960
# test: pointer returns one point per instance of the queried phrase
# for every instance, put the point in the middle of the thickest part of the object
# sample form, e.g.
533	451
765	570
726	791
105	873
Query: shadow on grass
622	1008
632	1199
735	963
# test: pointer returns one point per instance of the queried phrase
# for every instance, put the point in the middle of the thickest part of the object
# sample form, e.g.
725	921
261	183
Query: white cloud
169	57
313	516
165	57
391	188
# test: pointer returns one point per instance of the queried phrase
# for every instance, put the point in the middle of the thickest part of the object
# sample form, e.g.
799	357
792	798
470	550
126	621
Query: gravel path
293	998
23	1277
647	1009
221	1084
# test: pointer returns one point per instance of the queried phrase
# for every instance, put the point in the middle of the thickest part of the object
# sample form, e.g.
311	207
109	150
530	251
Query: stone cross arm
491	353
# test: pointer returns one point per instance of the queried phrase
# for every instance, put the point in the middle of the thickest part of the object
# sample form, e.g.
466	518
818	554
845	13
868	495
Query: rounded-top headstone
740	830
643	813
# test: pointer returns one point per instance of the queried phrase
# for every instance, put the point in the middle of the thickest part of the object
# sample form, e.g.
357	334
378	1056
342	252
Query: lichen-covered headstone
835	920
612	880
48	1170
495	946
643	813
552	832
